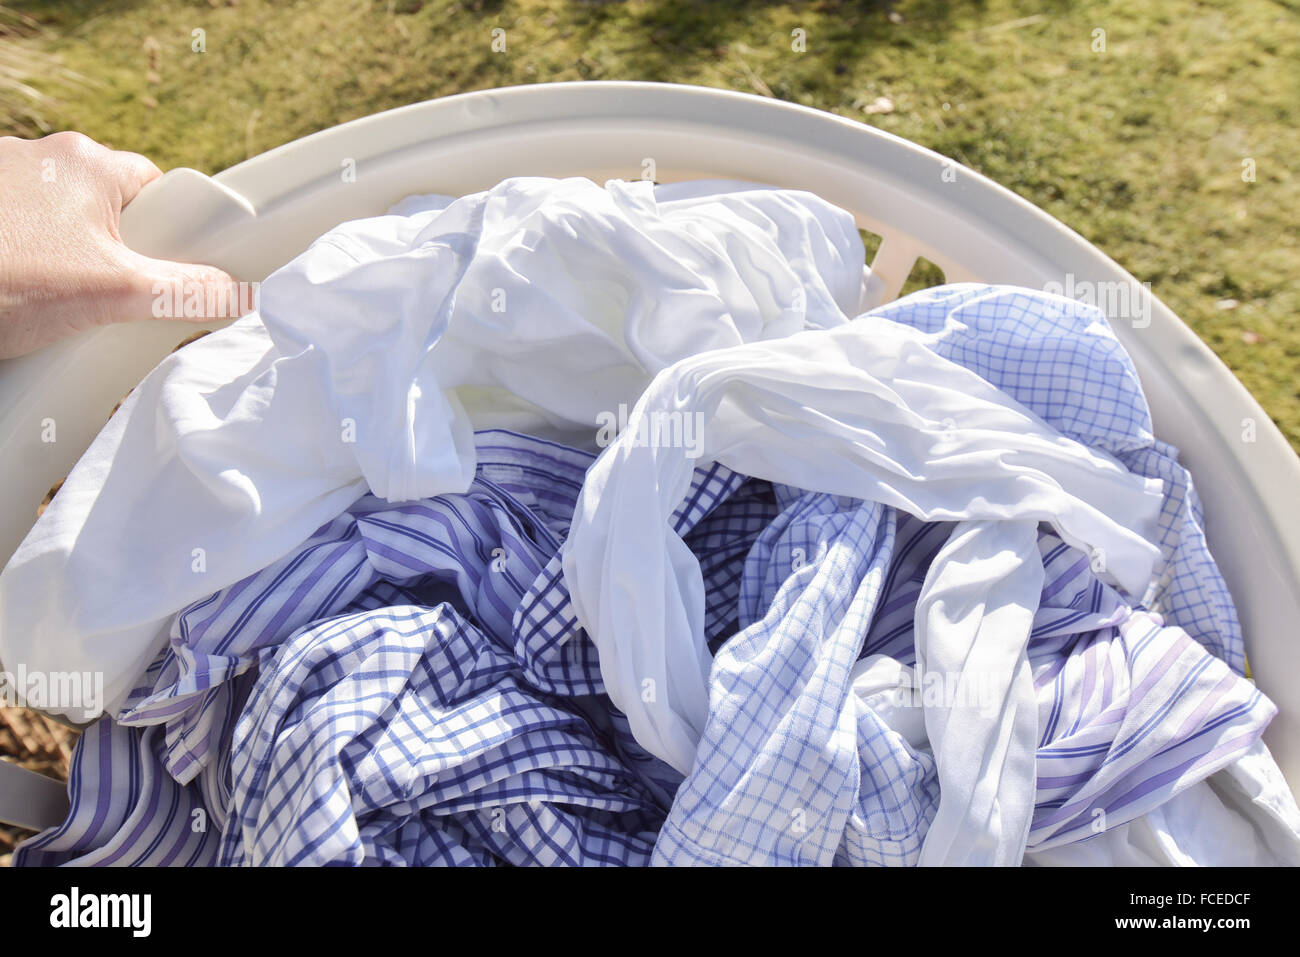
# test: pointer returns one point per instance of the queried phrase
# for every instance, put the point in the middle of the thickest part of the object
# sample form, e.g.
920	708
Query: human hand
63	265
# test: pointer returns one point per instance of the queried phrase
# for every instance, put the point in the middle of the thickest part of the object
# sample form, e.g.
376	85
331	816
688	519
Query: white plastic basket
254	217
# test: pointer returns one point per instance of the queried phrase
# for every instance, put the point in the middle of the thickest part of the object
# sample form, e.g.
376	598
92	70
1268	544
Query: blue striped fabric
126	810
410	686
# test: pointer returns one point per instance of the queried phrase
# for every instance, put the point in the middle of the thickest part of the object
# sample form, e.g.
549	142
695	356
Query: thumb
162	289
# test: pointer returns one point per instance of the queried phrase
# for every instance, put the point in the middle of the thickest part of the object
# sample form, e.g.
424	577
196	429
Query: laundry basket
256	216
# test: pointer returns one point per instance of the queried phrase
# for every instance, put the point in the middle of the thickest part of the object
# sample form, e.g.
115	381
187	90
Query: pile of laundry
560	524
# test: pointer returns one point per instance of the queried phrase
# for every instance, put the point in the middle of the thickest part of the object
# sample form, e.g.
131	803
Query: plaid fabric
775	779
479	550
790	770
407	736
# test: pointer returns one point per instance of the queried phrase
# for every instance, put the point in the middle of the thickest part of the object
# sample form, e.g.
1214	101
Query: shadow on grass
678	30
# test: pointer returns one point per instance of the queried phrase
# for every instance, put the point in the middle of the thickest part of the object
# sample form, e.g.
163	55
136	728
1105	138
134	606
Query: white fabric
536	305
984	749
862	410
893	692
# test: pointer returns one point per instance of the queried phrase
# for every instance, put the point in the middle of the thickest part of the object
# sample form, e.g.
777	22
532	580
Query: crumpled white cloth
973	620
868	411
536	305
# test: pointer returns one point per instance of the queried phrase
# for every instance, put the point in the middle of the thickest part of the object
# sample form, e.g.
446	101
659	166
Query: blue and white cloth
452	613
798	766
1060	358
412	684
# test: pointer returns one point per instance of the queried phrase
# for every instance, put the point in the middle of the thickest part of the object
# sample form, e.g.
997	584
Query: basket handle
158	220
30	800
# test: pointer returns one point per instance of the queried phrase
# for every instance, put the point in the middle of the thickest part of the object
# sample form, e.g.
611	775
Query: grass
1140	148
22	104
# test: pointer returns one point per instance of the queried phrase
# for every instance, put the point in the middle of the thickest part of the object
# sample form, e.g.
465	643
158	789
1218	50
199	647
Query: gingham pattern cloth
406	736
789	770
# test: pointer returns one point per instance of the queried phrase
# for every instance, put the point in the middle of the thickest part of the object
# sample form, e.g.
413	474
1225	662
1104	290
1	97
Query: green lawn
1140	148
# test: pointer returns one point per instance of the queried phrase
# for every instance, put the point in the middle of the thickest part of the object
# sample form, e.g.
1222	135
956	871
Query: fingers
131	172
139	287
65	268
158	288
161	289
